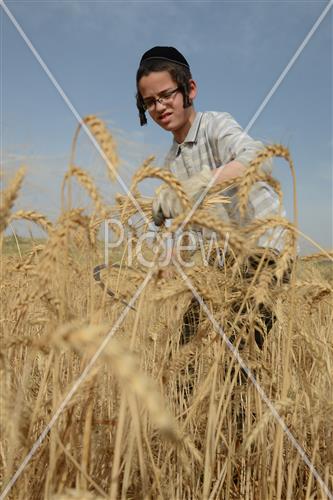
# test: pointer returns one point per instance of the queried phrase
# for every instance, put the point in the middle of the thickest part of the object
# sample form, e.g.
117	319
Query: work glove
166	203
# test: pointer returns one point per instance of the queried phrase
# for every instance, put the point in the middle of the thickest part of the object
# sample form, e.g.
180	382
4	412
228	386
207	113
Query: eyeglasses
164	98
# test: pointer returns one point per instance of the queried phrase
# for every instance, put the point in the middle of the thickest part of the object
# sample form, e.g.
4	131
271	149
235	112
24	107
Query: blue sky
236	50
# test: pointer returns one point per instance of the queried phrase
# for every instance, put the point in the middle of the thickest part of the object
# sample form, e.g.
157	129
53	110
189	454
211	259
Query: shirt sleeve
264	202
230	142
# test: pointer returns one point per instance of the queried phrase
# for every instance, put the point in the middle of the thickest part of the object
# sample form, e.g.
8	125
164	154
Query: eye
166	94
148	102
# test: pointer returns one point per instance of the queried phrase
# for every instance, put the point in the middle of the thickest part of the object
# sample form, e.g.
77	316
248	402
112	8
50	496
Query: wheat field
102	400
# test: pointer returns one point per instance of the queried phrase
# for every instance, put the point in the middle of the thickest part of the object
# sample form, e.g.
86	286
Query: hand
195	185
166	203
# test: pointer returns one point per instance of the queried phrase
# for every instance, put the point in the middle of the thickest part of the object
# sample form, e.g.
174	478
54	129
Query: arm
166	203
232	146
229	171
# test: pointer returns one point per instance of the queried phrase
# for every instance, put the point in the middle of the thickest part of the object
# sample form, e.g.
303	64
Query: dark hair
179	73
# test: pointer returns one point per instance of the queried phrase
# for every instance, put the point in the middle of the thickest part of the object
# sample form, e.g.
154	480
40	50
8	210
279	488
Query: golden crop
138	414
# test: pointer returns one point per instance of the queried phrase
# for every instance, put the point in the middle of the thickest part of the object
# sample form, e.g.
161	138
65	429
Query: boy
202	143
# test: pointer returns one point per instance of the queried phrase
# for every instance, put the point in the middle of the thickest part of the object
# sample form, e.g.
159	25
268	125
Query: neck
180	134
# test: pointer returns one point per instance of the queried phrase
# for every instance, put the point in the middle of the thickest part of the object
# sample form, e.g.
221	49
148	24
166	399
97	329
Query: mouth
165	117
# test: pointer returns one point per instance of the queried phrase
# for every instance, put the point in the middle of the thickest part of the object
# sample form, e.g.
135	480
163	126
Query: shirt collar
192	133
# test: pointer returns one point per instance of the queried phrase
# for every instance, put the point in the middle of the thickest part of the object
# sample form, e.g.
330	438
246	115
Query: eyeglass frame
160	100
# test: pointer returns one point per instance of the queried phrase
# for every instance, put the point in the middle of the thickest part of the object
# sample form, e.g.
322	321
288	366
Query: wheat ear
104	138
88	184
253	173
164	175
39	219
8	198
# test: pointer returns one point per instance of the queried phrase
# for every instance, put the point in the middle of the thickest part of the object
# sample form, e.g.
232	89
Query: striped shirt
215	139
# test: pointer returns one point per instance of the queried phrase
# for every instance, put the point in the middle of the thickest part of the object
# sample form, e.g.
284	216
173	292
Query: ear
192	90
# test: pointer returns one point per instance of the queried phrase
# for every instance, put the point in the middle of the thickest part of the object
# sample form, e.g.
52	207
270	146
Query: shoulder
215	116
218	122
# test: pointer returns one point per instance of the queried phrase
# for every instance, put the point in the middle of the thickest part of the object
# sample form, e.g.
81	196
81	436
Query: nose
159	106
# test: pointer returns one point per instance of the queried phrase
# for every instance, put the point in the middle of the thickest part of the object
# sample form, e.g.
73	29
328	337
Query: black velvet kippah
167	53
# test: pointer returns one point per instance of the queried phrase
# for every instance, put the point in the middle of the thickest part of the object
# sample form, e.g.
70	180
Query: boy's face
170	114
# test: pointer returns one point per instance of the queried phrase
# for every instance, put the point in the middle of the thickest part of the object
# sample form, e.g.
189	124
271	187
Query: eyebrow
162	92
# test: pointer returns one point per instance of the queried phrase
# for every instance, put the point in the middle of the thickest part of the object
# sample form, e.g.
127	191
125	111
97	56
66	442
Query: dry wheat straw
33	216
49	260
27	264
317	256
147	171
125	203
109	442
208	221
8	198
88	184
253	173
281	406
125	366
105	140
125	208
